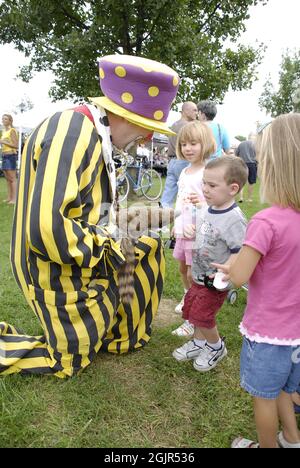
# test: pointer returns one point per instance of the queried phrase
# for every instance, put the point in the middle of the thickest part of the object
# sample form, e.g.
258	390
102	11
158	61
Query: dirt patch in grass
166	315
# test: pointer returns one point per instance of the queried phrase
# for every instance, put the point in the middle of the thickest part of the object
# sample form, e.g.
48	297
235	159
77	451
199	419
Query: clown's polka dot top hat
138	89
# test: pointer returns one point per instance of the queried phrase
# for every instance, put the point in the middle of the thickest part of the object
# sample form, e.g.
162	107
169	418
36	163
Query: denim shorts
9	162
268	369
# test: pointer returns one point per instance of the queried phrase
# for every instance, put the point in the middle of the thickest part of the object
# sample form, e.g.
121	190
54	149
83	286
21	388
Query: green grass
142	399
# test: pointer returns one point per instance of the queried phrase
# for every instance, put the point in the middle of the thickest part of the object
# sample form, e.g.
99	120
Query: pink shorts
183	250
202	304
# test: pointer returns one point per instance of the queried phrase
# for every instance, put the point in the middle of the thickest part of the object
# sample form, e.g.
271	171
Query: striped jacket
65	260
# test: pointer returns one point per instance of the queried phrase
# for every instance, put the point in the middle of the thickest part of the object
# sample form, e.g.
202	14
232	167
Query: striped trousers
77	325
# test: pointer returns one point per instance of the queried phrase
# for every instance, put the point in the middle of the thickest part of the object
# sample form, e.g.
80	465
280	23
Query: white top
187	184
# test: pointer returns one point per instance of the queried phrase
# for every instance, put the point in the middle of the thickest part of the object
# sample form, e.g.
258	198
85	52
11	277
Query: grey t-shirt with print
219	234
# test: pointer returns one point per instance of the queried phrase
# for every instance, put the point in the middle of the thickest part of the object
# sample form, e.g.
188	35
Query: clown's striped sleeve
62	221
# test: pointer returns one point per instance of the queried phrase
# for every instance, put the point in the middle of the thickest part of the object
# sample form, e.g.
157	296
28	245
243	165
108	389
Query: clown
64	255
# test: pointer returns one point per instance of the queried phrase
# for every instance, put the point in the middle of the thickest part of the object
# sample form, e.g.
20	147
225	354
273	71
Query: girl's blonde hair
278	155
200	132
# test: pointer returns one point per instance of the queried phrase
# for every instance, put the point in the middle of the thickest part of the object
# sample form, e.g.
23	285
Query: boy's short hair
236	171
200	132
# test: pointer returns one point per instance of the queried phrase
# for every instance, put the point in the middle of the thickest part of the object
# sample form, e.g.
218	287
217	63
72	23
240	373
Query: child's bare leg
210	335
189	276
198	335
266	419
183	269
287	417
296	398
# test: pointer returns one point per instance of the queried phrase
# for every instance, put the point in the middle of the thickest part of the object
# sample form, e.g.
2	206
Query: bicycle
147	182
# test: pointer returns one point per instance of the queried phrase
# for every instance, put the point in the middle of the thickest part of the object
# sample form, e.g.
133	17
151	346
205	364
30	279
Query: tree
287	97
67	37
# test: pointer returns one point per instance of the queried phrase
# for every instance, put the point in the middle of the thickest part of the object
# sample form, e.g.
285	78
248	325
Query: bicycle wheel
123	188
151	184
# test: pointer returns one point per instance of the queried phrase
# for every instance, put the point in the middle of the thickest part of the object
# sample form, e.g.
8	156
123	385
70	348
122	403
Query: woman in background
9	142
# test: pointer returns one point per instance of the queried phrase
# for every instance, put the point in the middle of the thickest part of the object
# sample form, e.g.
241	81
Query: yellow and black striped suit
64	260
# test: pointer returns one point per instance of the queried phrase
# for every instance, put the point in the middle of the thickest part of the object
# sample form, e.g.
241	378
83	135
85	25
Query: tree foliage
189	35
287	97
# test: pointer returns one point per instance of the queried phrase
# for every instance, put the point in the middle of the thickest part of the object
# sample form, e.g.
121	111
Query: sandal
240	442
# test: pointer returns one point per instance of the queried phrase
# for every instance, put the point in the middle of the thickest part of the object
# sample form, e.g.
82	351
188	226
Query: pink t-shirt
272	314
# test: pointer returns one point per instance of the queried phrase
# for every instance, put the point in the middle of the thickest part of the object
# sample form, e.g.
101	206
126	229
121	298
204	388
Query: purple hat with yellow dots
138	89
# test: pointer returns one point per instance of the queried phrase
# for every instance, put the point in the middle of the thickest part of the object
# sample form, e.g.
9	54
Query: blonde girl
195	143
270	261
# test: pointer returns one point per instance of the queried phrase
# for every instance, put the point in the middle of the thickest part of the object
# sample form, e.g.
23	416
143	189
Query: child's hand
224	268
186	199
195	199
189	231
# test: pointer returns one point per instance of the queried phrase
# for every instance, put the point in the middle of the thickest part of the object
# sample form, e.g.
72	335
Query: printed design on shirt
206	234
206	240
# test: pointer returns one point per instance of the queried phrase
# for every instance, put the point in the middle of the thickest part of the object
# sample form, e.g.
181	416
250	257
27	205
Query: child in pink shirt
270	262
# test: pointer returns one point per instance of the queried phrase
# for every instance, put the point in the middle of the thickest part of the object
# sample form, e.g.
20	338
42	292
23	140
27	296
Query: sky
276	25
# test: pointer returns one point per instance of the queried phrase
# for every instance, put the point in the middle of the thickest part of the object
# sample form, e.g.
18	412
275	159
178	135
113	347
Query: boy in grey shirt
219	233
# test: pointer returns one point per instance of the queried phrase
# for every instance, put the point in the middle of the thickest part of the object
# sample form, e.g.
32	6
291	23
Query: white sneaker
179	307
186	329
188	351
210	358
283	443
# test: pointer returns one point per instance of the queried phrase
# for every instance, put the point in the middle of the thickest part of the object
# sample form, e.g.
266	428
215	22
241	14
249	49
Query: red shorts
202	304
